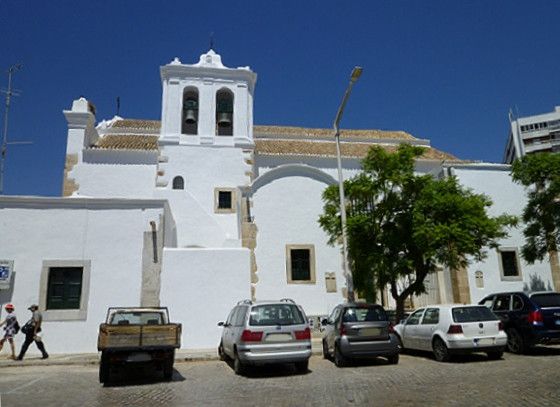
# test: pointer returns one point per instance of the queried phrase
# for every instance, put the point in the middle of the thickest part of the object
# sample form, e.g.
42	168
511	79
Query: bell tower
207	103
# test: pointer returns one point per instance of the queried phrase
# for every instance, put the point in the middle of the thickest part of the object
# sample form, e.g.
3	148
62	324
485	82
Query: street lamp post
356	72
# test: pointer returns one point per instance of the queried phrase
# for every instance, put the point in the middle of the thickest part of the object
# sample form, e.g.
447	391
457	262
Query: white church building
203	208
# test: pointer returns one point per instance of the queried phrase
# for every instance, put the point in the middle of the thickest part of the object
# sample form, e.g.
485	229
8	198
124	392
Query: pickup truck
137	335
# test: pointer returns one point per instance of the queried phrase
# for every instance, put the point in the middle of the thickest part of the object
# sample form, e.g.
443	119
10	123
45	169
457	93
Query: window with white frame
300	264
64	289
224	200
510	268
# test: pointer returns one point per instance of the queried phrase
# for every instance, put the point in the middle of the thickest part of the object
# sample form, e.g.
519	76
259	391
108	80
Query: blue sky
447	71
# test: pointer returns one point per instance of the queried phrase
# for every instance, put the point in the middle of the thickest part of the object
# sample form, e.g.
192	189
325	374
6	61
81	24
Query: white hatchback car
452	329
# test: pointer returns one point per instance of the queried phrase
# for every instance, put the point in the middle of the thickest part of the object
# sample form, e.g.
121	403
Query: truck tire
104	369
168	367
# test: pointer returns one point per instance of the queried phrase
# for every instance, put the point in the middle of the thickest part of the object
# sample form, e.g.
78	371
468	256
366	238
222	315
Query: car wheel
302	367
339	359
495	355
238	366
515	342
326	350
221	352
393	359
441	352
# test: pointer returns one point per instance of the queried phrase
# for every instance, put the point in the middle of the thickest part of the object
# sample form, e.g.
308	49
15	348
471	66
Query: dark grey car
358	331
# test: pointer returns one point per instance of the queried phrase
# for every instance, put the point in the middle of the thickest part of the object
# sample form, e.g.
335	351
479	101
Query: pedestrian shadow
128	376
271	370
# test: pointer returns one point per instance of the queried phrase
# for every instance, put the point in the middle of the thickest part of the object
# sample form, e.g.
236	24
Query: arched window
190	111
224	112
178	183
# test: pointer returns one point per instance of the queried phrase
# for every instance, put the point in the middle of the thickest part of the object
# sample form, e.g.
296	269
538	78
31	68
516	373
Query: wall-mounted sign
6	268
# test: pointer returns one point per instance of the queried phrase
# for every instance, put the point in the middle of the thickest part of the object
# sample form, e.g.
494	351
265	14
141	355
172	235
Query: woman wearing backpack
11	327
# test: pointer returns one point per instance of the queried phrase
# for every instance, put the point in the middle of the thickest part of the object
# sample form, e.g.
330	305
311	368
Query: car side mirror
402	322
221	323
324	322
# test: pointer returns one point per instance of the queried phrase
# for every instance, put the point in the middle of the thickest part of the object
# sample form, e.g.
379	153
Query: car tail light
455	329
342	330
248	336
500	326
536	318
391	328
301	335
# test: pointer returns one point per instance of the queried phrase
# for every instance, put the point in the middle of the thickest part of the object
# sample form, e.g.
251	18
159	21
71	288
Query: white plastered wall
200	287
507	197
286	211
203	169
111	239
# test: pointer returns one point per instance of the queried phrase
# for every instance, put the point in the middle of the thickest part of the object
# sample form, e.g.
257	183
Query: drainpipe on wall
154	240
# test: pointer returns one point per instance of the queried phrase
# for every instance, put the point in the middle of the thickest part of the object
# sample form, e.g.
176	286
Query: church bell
224	114
224	119
191	107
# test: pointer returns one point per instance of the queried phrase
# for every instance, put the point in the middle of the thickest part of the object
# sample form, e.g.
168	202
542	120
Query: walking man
10	329
31	330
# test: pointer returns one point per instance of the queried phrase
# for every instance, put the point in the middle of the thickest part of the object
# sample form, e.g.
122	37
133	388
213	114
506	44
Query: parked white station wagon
451	329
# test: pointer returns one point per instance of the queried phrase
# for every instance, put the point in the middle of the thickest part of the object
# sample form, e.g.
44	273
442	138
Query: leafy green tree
401	226
540	172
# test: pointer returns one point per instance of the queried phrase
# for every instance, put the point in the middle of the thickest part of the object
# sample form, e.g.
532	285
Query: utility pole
4	147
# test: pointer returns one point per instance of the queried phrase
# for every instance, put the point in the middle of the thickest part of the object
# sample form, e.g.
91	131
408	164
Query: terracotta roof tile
311	132
127	142
137	124
328	149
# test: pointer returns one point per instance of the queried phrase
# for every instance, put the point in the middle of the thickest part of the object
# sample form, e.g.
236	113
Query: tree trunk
554	269
400	308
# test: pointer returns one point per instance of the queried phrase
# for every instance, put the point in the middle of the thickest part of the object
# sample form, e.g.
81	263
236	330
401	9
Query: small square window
510	267
224	199
64	288
300	264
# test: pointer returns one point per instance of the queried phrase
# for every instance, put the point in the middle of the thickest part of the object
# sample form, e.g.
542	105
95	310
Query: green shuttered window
64	287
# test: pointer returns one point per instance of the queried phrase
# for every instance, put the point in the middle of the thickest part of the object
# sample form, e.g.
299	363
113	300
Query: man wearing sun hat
11	327
31	330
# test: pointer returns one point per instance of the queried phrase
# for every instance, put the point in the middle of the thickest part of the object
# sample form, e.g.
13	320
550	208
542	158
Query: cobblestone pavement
530	380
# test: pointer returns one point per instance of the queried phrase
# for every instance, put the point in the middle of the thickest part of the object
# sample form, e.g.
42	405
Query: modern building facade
531	134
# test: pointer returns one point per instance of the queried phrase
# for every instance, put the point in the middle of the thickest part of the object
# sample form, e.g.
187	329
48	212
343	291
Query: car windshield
473	314
276	314
546	300
364	314
136	318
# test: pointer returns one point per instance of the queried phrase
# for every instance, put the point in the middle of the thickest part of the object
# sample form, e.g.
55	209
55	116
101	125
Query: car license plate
370	331
484	342
278	337
139	357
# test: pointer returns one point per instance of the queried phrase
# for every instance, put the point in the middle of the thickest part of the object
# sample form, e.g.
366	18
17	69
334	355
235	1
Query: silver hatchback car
356	330
258	333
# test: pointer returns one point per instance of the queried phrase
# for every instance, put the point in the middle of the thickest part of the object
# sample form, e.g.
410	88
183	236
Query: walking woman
10	329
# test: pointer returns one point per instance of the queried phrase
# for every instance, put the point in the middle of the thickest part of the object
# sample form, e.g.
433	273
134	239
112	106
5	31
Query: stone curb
181	356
